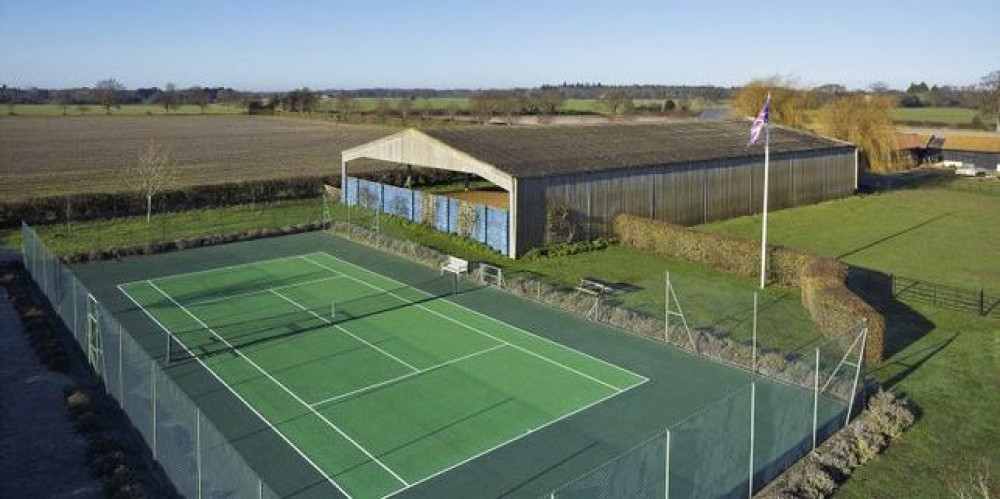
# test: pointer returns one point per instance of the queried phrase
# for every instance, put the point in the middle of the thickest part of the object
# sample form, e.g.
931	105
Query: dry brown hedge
822	281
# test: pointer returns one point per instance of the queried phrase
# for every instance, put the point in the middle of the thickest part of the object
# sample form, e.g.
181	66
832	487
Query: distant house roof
912	140
714	114
537	151
973	143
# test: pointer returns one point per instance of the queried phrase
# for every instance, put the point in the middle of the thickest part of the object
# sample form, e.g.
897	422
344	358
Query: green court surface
377	384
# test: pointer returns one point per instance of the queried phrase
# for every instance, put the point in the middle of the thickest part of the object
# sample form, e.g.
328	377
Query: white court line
283	387
262	291
525	434
408	375
352	335
235	393
214	269
476	312
472	328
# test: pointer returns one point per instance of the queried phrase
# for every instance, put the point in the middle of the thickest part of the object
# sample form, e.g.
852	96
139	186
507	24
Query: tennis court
379	385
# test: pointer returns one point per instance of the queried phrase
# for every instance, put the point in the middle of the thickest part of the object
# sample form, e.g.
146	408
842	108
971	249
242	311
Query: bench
455	266
594	287
597	289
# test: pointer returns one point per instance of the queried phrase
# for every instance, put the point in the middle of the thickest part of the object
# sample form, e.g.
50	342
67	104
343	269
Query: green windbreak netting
710	451
638	473
195	455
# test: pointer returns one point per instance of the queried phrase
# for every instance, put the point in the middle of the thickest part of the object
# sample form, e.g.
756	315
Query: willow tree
788	104
865	121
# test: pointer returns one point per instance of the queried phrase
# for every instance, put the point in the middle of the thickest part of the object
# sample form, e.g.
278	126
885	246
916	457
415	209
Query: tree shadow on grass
893	235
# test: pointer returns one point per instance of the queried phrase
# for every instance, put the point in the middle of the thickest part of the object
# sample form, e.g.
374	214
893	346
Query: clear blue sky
272	45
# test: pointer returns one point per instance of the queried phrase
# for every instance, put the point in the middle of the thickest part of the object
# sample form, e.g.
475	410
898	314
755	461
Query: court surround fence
478	222
805	395
197	457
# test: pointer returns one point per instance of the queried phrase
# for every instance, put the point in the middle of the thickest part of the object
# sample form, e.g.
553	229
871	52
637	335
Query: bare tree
990	105
168	98
616	102
108	93
7	99
64	99
404	106
382	109
346	105
197	96
510	104
550	102
151	173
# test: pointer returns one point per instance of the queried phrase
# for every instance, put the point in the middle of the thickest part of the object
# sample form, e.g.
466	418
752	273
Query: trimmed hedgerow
822	282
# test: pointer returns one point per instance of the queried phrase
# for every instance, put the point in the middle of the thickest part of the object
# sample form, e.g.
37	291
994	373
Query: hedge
93	206
822	282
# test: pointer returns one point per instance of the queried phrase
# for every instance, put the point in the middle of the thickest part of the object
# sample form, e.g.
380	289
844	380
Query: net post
753	403
666	468
816	399
754	348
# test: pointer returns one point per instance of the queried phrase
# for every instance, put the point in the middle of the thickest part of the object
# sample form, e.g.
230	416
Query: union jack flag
758	123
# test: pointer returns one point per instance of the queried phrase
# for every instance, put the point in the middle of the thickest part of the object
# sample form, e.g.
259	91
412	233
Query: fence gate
95	351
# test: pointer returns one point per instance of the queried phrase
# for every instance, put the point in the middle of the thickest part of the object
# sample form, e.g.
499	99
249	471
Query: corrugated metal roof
536	151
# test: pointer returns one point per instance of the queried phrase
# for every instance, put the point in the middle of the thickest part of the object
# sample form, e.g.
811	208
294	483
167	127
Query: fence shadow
903	325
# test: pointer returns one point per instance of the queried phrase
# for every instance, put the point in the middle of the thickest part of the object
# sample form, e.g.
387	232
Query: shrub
884	420
77	401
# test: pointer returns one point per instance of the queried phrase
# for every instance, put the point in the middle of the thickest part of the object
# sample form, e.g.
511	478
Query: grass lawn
942	115
104	234
949	362
939	235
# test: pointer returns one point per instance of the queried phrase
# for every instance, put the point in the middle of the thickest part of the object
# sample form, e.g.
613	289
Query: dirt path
41	455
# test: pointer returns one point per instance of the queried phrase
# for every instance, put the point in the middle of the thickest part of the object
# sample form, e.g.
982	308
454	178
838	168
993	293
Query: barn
570	181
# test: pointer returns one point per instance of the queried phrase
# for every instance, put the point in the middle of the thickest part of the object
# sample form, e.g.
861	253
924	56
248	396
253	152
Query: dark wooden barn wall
685	194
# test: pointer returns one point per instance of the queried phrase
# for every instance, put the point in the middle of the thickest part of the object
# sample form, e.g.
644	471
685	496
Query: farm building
570	181
981	151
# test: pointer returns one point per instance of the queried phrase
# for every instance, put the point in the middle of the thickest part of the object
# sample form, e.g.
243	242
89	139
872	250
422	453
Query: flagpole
763	231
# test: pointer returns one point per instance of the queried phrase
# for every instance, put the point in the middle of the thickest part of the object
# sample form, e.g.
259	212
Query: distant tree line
110	93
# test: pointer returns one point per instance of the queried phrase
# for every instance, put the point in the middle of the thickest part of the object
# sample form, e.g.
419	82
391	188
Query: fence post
197	447
816	399
982	302
666	468
121	373
754	340
152	384
753	402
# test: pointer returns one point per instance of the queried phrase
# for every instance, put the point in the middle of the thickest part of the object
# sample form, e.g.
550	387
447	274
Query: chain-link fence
733	446
197	457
